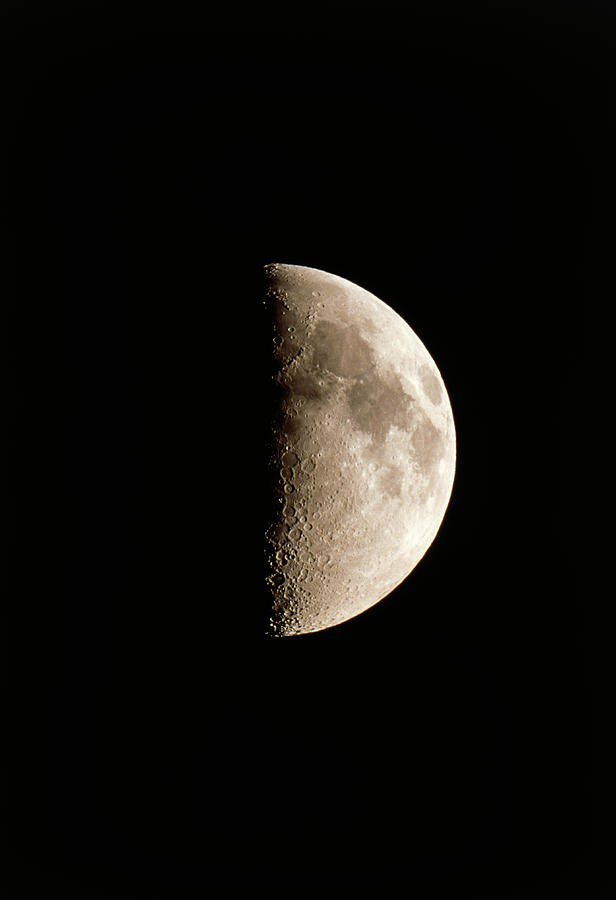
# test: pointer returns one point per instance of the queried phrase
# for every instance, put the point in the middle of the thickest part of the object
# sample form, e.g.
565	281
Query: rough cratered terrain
361	454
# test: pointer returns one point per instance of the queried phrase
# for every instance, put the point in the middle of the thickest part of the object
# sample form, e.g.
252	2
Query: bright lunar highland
361	450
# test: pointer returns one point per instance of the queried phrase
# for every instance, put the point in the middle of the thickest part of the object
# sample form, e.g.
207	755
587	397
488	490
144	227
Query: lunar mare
361	454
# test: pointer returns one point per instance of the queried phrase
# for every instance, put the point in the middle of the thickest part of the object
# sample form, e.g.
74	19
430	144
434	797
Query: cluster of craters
290	561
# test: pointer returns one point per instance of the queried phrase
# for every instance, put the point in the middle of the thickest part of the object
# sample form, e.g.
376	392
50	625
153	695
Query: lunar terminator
361	450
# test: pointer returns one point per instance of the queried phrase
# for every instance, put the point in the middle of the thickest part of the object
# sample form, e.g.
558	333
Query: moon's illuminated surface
362	450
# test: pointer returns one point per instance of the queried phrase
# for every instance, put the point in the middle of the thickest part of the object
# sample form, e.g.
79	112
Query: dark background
452	161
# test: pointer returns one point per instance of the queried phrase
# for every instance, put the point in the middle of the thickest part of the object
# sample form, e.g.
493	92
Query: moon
361	450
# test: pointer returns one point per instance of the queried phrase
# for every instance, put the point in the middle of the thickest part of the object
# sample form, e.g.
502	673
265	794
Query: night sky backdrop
450	161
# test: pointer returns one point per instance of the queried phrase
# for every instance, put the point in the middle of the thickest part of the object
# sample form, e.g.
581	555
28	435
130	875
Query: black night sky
451	161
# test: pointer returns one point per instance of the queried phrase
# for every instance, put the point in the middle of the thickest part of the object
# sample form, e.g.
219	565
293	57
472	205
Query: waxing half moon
361	450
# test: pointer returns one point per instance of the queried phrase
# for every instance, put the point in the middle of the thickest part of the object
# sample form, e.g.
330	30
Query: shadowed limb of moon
361	450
